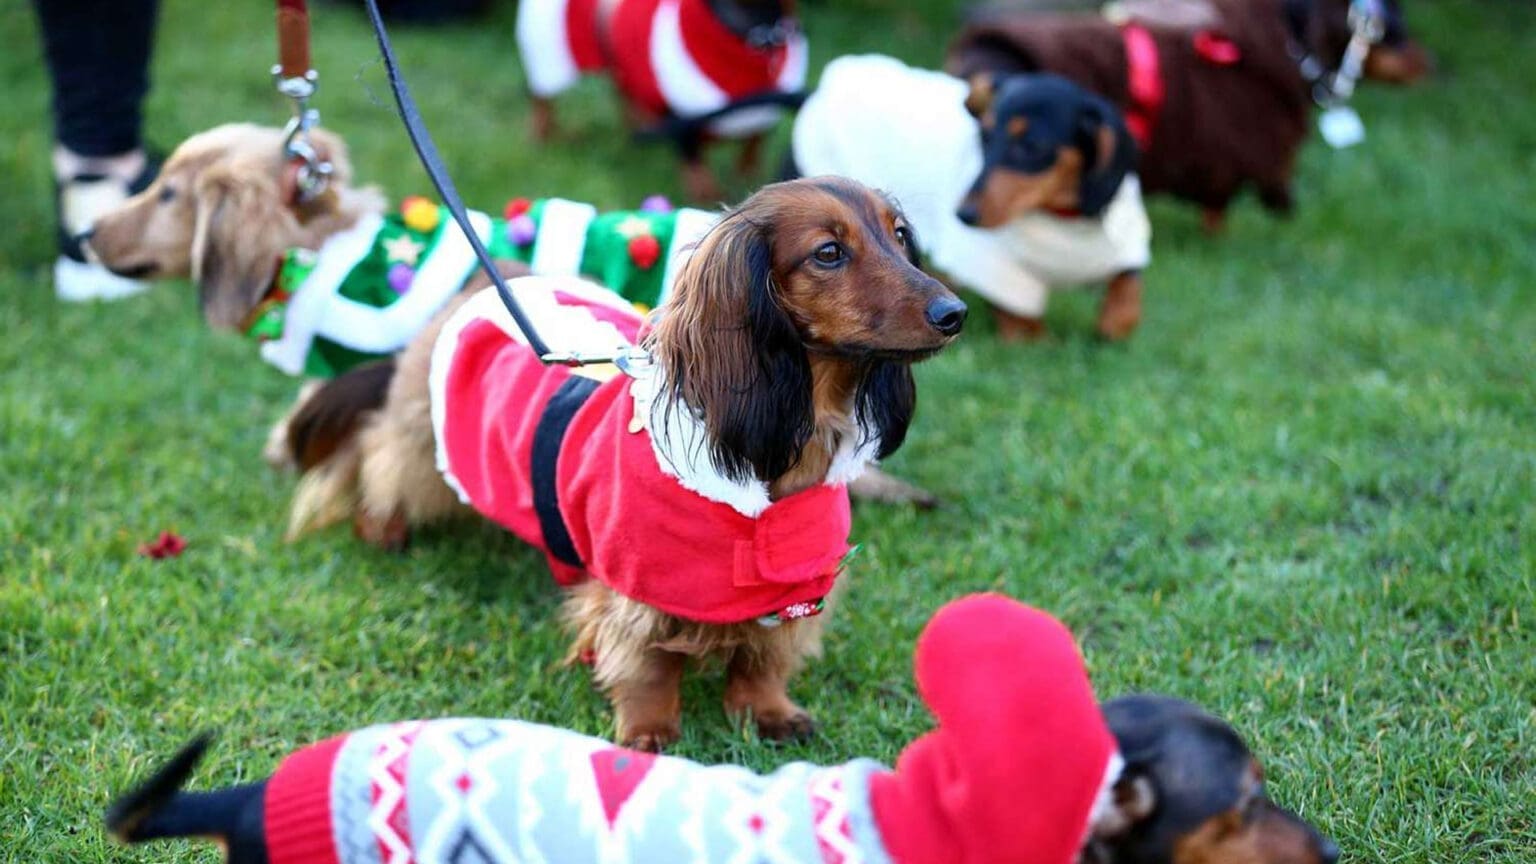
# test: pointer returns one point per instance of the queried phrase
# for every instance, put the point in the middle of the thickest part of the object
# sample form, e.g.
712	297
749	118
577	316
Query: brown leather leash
296	79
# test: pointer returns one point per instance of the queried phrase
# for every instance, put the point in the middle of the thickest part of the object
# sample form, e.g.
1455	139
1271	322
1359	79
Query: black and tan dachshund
1193	793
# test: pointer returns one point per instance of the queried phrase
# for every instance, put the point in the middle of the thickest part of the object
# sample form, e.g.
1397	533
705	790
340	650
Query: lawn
1302	495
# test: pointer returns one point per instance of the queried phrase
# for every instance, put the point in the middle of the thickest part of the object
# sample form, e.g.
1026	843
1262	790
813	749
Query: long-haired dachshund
1018	769
670	60
1141	779
1216	109
329	284
223	211
1192	791
695	506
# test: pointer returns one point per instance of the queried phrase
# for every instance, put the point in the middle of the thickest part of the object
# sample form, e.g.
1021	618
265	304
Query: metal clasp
632	360
314	172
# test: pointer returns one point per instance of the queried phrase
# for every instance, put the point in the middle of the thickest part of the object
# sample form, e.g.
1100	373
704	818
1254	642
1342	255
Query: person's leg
98	55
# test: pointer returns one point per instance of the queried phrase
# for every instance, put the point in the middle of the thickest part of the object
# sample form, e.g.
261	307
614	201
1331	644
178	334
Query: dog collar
793	612
264	322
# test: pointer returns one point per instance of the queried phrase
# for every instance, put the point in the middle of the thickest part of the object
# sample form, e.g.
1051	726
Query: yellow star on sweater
403	249
632	227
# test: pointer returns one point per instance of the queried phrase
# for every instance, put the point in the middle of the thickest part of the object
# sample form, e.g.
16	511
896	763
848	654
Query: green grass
1302	495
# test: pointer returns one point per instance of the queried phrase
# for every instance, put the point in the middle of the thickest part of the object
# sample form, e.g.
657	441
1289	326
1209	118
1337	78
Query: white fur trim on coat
312	300
377	330
565	328
690	92
677	435
544	47
562	237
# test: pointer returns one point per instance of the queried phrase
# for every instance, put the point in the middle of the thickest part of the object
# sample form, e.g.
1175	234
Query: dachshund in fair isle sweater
694	503
1020	768
670	60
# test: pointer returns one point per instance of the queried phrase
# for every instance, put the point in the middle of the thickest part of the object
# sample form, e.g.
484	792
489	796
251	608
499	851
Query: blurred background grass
1301	495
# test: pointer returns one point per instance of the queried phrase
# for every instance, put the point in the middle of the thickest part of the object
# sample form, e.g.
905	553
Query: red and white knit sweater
644	510
666	56
1018	767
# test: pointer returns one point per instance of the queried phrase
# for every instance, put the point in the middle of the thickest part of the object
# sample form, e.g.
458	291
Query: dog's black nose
946	315
968	213
1327	851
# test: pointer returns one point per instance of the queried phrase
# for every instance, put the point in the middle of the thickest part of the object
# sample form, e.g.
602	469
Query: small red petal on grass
168	545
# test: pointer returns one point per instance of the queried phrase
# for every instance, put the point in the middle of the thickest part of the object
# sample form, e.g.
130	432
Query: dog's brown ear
983	88
733	355
235	242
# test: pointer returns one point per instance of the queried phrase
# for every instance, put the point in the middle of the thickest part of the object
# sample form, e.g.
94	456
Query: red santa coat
666	56
650	519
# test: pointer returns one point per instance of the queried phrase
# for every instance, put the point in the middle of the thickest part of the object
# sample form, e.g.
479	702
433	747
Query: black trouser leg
98	57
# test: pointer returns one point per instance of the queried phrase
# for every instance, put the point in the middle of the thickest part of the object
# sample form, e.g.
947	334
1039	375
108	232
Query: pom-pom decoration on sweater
1017	769
370	289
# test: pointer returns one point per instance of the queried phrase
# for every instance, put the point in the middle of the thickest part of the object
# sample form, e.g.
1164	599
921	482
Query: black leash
430	160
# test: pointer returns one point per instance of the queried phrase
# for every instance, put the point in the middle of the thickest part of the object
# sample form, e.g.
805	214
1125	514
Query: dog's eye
167	194
828	254
904	235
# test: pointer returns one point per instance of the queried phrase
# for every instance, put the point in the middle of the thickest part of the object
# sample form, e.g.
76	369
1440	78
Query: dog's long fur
222	211
784	357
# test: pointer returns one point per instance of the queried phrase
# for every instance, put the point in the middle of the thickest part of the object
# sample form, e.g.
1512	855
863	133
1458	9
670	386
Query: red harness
1144	78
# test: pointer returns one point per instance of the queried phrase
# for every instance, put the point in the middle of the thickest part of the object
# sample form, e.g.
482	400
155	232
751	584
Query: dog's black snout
946	315
968	213
1327	851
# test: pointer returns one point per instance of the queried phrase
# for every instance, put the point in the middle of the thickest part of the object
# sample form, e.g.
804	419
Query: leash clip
632	360
1367	26
314	173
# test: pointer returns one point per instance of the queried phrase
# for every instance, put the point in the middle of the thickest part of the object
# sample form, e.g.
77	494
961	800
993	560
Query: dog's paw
390	533
792	726
876	485
651	740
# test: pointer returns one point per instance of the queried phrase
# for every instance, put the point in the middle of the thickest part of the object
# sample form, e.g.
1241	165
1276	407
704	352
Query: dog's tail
158	808
322	441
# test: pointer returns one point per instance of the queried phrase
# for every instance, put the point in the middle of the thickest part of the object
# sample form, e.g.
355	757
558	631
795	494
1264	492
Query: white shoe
82	200
80	281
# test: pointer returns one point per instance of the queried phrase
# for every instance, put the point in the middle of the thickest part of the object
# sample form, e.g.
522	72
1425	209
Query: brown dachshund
778	370
1215	109
1191	792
